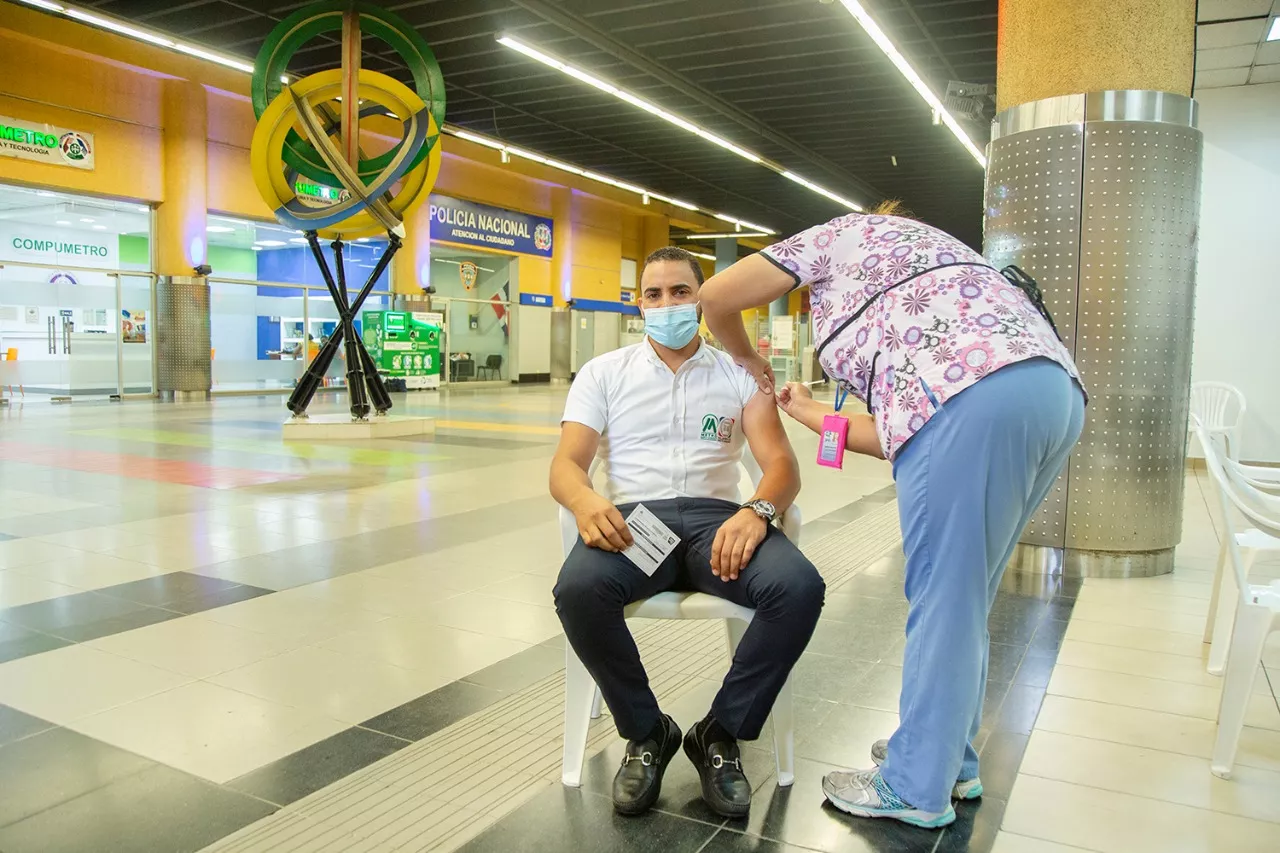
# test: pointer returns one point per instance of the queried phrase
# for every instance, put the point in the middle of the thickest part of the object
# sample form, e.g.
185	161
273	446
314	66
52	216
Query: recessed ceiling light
86	219
268	243
218	229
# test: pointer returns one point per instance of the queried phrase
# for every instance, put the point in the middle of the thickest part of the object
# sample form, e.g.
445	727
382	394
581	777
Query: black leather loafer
724	786
639	780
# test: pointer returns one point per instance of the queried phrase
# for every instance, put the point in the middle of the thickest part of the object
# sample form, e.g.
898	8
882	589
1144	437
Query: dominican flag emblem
500	301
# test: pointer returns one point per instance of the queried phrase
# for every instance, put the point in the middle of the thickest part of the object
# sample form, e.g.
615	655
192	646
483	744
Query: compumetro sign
45	143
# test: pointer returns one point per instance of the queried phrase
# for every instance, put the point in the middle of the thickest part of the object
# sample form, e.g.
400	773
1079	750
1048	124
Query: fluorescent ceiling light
297	239
46	194
99	228
882	41
733	234
237	64
41	4
653	109
256	248
63	222
218	229
702	255
143	209
86	219
268	243
1273	34
122	29
533	156
810	185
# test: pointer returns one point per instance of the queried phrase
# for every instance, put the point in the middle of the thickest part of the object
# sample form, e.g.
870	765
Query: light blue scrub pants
968	483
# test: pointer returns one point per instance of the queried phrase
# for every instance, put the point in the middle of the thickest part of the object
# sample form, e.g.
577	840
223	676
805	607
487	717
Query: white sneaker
964	789
864	793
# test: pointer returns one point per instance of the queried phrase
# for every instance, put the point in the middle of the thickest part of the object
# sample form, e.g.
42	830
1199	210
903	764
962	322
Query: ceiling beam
602	41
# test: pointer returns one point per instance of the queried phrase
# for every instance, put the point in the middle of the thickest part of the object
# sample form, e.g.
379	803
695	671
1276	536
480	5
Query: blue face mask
674	326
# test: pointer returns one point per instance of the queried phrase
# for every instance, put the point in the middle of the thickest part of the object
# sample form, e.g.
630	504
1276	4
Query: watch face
765	508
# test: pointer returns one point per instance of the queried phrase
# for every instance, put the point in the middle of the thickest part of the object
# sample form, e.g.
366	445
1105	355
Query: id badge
835	432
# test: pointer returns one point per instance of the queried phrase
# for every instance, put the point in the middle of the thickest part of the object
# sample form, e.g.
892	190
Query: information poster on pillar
457	221
45	143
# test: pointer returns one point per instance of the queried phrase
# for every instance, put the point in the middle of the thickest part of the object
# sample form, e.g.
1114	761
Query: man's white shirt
663	434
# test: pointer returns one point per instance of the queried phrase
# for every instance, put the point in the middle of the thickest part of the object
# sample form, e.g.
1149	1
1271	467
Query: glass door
60	333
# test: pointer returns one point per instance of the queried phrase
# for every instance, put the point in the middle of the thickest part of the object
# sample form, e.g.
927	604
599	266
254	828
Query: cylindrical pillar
182	338
1096	196
180	218
562	247
657	232
411	266
184	358
726	253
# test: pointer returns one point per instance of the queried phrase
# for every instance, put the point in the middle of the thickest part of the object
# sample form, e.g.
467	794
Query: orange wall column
411	267
181	242
562	248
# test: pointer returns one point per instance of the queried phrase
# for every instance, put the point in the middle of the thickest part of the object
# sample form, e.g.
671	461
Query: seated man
668	418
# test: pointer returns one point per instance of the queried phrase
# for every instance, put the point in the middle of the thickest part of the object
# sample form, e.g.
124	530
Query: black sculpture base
363	382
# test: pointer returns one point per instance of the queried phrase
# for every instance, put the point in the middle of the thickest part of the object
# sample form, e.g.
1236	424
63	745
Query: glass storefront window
75	294
270	310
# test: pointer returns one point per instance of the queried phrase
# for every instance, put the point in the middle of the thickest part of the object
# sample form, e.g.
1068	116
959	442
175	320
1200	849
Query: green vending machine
404	346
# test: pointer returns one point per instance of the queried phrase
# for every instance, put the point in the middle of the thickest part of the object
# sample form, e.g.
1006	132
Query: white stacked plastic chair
1223	601
1220	409
1257	607
582	697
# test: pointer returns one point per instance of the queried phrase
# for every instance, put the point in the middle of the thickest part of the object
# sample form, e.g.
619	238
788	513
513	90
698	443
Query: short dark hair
673	253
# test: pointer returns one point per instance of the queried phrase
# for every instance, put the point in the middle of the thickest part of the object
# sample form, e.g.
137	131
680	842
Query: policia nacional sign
45	143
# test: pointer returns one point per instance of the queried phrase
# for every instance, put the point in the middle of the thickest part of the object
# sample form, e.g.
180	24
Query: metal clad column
1112	178
182	338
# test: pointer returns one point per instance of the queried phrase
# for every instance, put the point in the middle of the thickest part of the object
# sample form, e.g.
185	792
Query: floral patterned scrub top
935	316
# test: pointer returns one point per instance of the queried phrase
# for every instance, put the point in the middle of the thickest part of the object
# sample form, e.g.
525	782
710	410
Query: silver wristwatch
764	509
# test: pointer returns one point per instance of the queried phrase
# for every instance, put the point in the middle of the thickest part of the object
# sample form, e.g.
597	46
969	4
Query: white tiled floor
1118	761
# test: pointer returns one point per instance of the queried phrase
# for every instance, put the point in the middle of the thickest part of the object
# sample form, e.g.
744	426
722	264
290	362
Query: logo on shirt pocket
717	429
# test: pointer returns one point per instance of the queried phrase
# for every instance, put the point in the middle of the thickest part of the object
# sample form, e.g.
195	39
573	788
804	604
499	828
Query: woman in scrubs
976	403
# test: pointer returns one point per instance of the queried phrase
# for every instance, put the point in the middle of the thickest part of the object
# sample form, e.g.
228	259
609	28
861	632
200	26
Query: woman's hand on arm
749	283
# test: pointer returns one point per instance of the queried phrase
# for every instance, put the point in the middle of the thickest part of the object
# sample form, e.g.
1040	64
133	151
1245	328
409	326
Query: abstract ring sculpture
310	129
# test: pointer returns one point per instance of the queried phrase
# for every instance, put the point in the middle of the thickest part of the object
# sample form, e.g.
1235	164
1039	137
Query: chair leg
1253	624
1218	571
782	719
1224	621
735	629
579	692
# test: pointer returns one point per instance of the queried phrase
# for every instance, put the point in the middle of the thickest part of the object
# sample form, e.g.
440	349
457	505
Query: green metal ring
310	21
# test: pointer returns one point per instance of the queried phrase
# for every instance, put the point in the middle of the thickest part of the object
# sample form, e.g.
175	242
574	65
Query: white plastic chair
1222	603
582	697
1257	607
1220	408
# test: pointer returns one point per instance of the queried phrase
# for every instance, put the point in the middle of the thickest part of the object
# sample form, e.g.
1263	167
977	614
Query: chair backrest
1219	406
790	522
493	362
1234	490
